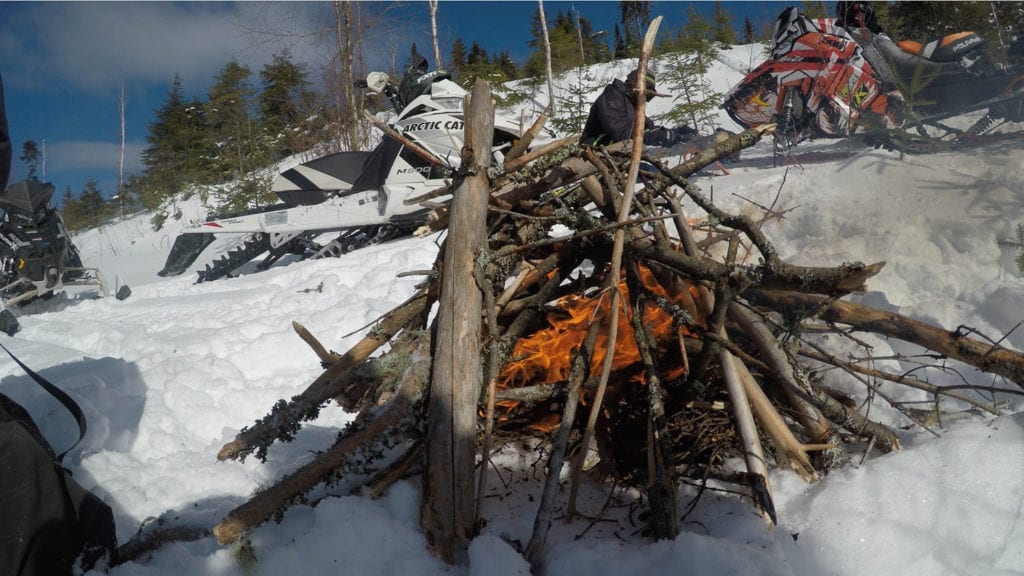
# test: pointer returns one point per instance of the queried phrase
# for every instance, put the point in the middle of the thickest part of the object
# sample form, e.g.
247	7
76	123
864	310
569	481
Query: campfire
625	340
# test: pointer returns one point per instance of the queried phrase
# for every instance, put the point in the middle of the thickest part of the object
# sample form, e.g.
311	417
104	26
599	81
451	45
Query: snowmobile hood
311	182
26	197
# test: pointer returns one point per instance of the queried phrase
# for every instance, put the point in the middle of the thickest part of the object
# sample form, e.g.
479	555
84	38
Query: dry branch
952	344
400	416
328	385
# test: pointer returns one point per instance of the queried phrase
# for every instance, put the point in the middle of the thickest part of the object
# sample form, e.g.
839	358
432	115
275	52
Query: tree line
246	122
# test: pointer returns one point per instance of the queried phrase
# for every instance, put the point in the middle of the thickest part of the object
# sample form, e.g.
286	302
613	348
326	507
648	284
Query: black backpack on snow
47	520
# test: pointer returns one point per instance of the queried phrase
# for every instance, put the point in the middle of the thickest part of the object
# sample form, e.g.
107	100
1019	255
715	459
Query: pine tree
69	209
93	210
620	49
636	17
166	156
724	32
284	104
749	36
573	41
689	55
242	151
30	156
458	58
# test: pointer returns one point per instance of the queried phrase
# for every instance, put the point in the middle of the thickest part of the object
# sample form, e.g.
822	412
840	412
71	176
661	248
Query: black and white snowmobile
37	258
359	195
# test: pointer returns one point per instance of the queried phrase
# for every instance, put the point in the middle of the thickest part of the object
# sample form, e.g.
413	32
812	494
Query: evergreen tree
689	55
458	58
166	156
724	32
479	64
414	57
573	42
507	65
241	150
620	50
749	35
30	156
93	210
69	209
636	17
283	103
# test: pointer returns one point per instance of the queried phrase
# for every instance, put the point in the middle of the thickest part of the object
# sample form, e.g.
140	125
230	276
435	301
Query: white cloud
93	45
70	155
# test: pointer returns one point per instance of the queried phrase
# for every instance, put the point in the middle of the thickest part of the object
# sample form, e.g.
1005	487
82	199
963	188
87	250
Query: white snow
169	375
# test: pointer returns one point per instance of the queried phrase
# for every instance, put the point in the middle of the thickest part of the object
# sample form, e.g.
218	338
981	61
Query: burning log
674	354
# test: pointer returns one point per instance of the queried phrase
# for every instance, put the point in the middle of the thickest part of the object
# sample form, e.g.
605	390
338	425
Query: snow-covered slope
169	375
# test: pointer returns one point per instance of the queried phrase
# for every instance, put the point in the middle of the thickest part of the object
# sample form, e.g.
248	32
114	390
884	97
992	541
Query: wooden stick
401	139
615	273
400	468
664	520
956	345
534	552
326	358
787	446
517	163
395	419
328	384
753	454
524	142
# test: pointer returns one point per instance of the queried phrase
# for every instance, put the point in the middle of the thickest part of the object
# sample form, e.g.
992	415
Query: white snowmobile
37	258
360	195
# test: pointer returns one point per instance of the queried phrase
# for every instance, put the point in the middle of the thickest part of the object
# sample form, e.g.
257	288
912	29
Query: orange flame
545	356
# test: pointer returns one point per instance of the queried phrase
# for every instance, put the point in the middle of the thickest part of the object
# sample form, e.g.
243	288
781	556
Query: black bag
48	519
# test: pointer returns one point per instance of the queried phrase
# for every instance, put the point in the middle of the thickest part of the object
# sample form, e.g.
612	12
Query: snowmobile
361	195
828	79
37	257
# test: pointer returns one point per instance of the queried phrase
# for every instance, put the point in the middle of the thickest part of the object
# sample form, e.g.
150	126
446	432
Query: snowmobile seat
948	48
315	181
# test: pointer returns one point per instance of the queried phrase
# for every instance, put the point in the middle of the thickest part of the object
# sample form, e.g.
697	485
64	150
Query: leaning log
288	415
393	423
951	344
448	487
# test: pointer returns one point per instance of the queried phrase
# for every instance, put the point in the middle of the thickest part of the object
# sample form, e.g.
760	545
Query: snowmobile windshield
417	81
26	197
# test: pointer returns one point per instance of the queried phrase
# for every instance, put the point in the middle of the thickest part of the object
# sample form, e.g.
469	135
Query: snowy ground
171	374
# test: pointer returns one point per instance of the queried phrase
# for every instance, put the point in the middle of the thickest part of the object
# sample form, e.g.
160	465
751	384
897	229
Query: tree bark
448	501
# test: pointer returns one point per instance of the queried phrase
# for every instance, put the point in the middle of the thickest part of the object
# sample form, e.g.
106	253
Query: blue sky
63	63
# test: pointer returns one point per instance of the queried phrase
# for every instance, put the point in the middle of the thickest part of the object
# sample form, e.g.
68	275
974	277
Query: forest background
251	119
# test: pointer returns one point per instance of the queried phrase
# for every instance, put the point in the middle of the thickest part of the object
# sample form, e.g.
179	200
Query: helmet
857	14
649	83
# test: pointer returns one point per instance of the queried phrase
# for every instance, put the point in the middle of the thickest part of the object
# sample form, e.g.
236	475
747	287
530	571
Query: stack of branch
733	357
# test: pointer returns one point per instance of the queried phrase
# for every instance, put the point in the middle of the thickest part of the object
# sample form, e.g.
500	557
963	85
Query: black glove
685	133
660	137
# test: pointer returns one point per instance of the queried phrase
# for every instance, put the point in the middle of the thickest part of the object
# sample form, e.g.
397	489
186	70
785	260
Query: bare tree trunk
348	40
433	34
120	166
547	59
448	494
